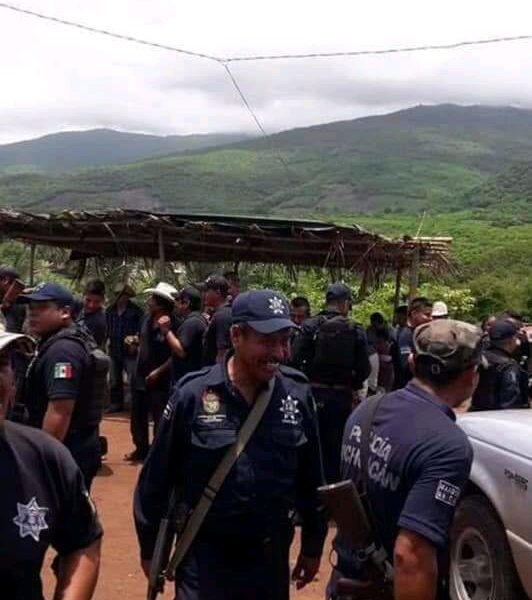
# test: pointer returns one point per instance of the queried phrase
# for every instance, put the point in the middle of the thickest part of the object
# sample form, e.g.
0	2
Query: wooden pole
363	289
397	294
414	275
161	263
32	264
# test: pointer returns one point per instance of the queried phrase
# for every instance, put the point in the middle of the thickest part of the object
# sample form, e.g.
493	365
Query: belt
327	386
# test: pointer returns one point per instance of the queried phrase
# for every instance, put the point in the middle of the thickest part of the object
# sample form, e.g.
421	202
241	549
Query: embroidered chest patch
31	519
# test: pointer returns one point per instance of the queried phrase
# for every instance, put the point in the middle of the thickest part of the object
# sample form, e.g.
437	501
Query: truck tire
482	567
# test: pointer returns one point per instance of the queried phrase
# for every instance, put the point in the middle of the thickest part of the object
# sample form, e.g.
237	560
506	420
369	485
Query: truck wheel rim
472	567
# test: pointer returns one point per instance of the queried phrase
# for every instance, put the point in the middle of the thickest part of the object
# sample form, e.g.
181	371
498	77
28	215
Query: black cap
217	283
11	272
45	292
266	311
189	293
338	292
502	329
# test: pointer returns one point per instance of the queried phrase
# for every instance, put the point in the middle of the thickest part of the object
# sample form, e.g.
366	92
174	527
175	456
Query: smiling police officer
241	551
418	463
43	502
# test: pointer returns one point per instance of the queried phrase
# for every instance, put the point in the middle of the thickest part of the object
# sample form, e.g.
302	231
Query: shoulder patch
63	370
293	374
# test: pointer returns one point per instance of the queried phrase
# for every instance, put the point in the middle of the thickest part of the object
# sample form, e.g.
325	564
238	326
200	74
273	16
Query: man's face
401	319
212	298
181	307
260	353
7	386
420	316
298	314
5	284
47	317
234	287
92	303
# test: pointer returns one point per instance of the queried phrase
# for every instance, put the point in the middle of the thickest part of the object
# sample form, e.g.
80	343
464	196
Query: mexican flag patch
63	371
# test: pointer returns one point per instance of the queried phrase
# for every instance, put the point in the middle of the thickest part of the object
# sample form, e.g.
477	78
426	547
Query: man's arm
309	478
57	418
362	366
415	567
78	573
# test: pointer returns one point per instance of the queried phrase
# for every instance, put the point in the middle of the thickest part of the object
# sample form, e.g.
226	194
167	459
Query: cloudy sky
58	78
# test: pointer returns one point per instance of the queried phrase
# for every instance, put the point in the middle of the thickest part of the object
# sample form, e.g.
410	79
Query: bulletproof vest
487	392
334	355
94	383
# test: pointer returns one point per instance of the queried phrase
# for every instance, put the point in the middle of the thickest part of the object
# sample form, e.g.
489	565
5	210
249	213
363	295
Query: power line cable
405	49
113	34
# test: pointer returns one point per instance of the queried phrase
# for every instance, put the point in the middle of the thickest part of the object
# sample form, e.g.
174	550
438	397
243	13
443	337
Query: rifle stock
345	506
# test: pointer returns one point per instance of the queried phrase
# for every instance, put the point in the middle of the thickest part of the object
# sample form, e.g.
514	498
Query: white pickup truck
491	539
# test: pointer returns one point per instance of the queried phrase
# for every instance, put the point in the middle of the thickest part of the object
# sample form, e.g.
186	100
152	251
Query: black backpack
334	346
487	392
95	383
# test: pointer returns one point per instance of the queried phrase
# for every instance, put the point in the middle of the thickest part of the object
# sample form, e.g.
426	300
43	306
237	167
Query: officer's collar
412	388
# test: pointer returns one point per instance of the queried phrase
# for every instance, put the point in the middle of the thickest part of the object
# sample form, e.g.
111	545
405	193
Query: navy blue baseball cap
502	329
266	311
45	292
338	292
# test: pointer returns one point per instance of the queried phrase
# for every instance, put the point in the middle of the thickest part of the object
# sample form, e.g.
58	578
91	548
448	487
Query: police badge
211	402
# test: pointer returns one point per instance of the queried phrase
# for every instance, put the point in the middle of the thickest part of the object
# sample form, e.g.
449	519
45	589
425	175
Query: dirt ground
120	573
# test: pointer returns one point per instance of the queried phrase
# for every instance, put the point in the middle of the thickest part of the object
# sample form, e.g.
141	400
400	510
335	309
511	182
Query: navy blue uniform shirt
43	503
217	337
280	468
419	463
190	335
59	374
96	323
122	325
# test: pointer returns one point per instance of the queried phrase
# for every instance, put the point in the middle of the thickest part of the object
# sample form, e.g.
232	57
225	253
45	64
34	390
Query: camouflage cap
452	346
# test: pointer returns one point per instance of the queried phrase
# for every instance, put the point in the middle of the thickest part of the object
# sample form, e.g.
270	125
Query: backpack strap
371	405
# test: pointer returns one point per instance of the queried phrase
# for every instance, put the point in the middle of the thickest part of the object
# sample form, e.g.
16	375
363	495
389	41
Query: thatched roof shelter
219	238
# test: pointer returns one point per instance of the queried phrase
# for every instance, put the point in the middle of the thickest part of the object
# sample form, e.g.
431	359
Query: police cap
266	311
502	329
451	346
45	292
338	292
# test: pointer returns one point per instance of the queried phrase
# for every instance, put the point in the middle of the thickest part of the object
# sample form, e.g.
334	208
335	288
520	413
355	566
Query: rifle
171	525
346	507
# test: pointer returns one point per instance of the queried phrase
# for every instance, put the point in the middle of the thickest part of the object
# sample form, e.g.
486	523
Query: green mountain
424	157
71	149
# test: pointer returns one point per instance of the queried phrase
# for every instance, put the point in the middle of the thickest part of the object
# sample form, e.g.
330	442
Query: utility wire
128	38
400	50
113	34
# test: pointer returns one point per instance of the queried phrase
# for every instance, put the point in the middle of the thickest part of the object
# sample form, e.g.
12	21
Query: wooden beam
162	261
414	275
397	293
33	246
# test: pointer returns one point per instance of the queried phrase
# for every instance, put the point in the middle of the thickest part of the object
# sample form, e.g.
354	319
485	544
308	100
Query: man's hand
164	323
151	378
305	570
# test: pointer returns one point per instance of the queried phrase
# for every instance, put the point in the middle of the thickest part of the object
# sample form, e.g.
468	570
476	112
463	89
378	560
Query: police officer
92	314
333	352
187	342
419	312
43	502
217	339
65	387
241	551
418	462
501	384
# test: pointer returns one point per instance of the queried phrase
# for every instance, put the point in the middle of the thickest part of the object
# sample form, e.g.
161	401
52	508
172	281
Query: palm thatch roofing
220	238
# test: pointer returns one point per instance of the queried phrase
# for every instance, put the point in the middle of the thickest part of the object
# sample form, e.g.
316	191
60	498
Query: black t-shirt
419	463
14	315
190	334
153	352
217	337
58	374
43	503
96	323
